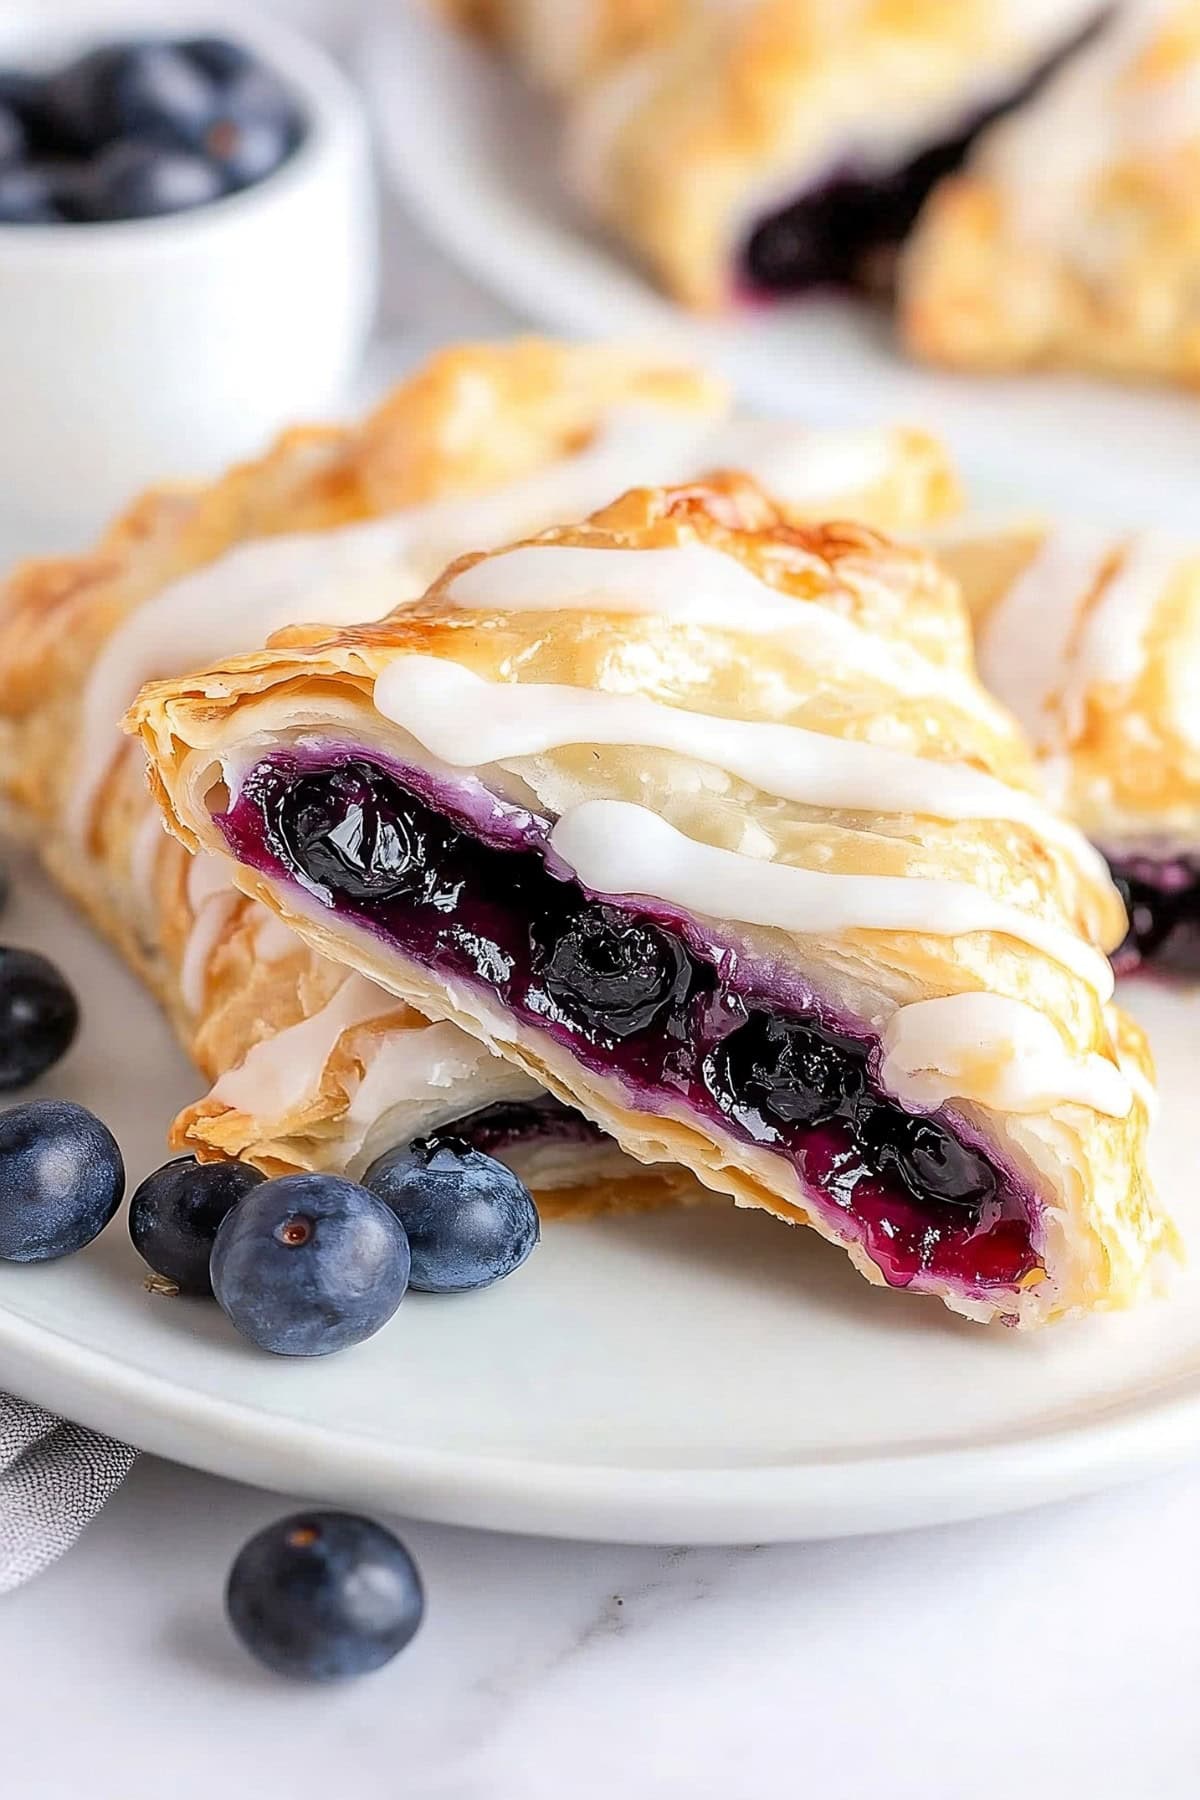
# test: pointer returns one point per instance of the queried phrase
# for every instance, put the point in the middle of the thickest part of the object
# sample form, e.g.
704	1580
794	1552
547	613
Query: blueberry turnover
311	1067
700	818
778	146
1073	235
1090	634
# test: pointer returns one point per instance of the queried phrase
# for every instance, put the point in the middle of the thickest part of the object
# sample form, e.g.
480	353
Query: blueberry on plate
309	1264
324	1595
61	1180
469	1220
39	1016
174	1215
144	89
131	180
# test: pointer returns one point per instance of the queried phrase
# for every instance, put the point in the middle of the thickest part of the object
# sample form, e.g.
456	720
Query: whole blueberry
61	1180
14	140
28	196
247	150
309	1264
174	1215
324	1595
220	58
469	1220
131	180
39	1016
146	89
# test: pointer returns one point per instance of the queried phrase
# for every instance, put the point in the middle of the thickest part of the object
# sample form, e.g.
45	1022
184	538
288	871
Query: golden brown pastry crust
1040	253
1088	1166
472	420
1113	722
735	110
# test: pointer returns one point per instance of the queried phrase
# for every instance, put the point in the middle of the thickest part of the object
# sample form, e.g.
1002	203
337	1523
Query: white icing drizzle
615	847
998	1051
1037	656
358	573
278	1074
273	940
469	722
697	584
212	902
416	1076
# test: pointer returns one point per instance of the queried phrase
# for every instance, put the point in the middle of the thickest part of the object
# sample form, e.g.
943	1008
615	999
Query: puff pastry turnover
1073	237
702	820
312	1068
778	145
1091	635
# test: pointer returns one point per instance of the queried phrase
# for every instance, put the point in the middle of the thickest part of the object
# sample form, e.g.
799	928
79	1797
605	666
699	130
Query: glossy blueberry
341	831
39	1016
309	1264
793	1073
931	1162
174	1215
131	180
61	1180
321	1596
148	90
469	1220
614	974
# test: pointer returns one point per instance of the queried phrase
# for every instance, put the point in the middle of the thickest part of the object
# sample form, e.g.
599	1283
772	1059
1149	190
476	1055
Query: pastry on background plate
313	1068
779	145
1073	236
702	819
1091	634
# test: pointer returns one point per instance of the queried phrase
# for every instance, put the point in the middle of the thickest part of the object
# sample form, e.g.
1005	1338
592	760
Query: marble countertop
1051	1653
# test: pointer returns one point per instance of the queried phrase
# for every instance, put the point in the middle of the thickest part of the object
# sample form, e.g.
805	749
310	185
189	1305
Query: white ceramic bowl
160	348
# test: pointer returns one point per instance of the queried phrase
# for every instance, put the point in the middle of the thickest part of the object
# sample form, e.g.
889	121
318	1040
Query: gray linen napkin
54	1478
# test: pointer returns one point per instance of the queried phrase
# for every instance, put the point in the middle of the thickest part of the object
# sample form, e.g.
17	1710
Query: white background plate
701	1377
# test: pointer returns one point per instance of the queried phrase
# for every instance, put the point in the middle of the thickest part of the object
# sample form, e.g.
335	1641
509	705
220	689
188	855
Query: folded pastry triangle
1073	236
1091	634
311	1067
702	819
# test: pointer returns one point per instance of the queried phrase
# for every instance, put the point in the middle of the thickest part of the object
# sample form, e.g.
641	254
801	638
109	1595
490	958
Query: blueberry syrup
1162	898
636	993
843	231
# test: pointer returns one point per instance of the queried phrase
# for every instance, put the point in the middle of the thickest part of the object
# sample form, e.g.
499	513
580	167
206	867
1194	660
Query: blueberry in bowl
141	128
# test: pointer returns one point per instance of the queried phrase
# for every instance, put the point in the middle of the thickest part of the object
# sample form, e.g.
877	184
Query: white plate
475	157
707	1377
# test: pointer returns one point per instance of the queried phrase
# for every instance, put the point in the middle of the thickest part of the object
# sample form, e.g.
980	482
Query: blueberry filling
633	995
509	1124
1162	898
839	232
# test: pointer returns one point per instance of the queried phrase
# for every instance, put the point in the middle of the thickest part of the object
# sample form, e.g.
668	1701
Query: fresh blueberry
148	90
61	1180
220	58
469	1220
245	151
174	1215
613	973
133	180
28	196
14	140
39	1016
309	1264
324	1595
